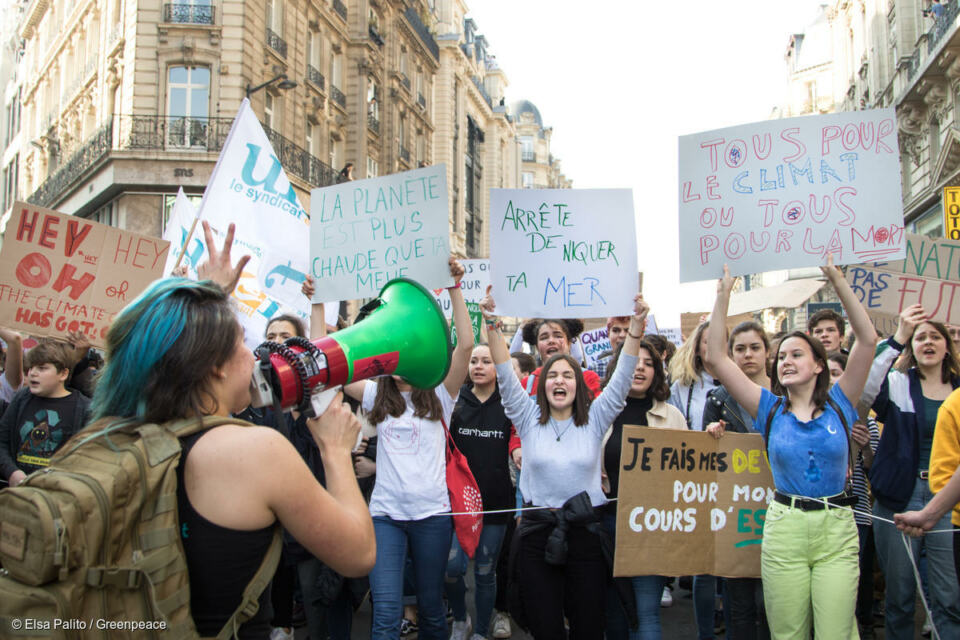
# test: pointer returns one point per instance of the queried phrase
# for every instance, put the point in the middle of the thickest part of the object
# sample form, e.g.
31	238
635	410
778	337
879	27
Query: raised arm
611	401
743	389
854	377
498	346
461	319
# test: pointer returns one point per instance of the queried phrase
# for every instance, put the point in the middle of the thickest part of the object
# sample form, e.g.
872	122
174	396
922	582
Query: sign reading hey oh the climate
689	504
784	193
563	252
60	273
368	232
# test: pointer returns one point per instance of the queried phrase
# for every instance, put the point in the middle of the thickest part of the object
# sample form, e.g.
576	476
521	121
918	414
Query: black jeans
865	587
743	599
576	590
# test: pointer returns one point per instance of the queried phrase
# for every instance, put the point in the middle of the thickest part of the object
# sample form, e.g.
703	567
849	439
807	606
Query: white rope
511	510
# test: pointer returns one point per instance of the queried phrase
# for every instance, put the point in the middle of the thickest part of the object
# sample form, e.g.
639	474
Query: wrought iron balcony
421	100
405	154
528	156
942	25
421	29
341	9
375	35
337	96
177	133
314	76
85	157
181	13
373	123
405	81
299	162
275	42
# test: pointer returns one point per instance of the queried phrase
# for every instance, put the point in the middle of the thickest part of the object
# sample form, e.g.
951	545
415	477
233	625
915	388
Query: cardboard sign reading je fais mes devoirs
563	253
61	273
690	504
782	194
365	233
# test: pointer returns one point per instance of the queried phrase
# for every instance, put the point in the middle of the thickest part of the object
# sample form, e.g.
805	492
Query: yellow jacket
945	456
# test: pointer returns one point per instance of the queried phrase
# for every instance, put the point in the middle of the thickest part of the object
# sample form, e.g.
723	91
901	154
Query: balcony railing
173	132
341	9
337	96
421	100
483	91
425	36
375	35
373	123
84	158
942	25
314	76
179	13
275	42
299	162
528	156
405	81
405	154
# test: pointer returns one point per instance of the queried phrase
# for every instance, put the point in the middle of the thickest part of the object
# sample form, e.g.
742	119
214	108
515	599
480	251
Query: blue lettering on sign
868	285
572	293
269	182
286	272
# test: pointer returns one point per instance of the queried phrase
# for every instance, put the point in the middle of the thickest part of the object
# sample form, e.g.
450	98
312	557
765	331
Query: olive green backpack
90	546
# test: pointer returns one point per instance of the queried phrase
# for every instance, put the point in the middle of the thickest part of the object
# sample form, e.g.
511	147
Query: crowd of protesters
542	435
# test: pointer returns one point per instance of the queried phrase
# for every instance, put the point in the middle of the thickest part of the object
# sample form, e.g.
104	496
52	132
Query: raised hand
487	305
218	267
725	283
456	270
910	318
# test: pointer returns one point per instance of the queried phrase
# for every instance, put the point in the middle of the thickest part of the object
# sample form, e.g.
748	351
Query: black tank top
221	563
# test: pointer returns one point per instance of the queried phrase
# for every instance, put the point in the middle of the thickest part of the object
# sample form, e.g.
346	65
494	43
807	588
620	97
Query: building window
275	16
270	119
421	149
168	201
373	98
934	143
527	152
13	118
316	47
336	155
107	214
312	139
371	167
473	175
402	135
188	100
527	177
11	174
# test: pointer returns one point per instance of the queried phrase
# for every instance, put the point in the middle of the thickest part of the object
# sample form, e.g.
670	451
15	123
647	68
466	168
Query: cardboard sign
781	194
932	258
690	504
563	253
60	273
474	283
890	293
367	232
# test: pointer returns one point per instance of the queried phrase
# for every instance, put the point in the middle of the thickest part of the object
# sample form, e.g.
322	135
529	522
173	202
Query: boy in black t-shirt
41	417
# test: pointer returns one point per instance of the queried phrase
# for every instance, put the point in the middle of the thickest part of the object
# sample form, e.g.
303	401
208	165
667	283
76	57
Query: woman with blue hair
177	351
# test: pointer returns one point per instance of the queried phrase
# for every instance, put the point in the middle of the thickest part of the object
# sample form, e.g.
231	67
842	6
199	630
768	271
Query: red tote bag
464	497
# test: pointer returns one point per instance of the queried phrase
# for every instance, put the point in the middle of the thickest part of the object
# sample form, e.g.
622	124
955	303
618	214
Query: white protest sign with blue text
476	277
365	233
783	194
563	253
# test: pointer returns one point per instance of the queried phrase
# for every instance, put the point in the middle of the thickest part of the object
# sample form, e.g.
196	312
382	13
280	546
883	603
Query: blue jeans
647	591
428	541
901	585
484	572
704	603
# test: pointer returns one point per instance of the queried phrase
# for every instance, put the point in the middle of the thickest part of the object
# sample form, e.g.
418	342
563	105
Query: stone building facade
539	168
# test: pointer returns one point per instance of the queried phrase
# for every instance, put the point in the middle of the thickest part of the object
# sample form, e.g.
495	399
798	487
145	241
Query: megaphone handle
319	402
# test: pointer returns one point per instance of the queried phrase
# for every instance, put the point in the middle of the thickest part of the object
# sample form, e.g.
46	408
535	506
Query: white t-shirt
411	461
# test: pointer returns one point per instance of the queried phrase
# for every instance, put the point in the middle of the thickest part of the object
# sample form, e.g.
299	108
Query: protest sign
365	233
474	283
181	221
60	273
782	194
563	253
597	341
672	334
929	275
690	504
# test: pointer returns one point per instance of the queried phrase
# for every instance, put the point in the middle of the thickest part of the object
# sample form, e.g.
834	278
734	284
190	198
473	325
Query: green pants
809	563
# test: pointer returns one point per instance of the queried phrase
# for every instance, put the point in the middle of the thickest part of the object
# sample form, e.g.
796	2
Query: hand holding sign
456	271
487	305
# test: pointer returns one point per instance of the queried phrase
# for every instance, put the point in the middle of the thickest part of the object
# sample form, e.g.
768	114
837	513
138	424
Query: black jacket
14	416
481	430
720	405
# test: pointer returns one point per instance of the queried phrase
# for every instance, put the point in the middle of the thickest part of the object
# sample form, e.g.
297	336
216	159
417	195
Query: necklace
553	424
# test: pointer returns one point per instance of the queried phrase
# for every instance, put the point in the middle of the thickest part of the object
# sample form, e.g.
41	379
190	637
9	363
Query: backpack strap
769	425
250	601
848	488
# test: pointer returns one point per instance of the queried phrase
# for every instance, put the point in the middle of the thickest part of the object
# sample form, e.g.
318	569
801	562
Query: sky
620	80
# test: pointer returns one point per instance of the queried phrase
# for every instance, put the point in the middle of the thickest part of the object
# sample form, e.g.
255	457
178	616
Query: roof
786	295
522	106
